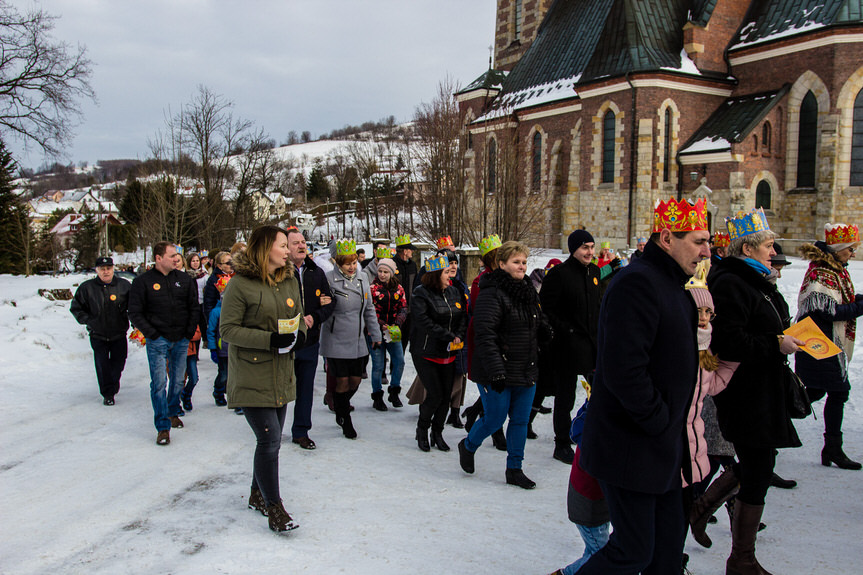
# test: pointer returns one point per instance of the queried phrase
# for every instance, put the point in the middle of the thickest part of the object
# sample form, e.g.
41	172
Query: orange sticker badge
458	305
318	293
595	282
157	287
290	302
113	297
396	296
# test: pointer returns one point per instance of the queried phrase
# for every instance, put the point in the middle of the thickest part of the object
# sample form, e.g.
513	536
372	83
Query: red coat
390	305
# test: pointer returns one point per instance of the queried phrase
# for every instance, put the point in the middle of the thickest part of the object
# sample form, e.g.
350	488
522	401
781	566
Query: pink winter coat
709	383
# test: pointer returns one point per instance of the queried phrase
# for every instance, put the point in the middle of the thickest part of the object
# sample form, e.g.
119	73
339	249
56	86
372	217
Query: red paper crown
445	242
841	234
721	240
222	283
680	216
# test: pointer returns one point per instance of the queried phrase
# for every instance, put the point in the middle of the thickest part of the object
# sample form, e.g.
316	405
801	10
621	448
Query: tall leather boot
423	439
343	415
832	453
744	527
723	488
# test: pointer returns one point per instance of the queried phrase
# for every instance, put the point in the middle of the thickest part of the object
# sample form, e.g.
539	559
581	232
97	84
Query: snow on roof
707	145
687	66
533	96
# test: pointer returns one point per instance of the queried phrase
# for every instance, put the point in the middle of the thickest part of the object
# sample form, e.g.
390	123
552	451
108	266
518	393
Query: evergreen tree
317	188
14	223
86	241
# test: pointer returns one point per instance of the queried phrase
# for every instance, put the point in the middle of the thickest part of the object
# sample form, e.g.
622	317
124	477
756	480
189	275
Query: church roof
775	19
732	122
701	11
489	80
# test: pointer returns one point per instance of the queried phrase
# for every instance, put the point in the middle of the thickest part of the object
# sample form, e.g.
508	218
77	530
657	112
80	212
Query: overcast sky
287	65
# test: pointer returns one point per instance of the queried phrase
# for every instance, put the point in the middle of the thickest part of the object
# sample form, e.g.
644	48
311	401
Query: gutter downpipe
632	162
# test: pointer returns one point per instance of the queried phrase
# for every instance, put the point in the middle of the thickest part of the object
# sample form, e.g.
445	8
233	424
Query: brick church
610	105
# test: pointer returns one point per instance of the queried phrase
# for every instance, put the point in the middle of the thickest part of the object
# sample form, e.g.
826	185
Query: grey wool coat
343	335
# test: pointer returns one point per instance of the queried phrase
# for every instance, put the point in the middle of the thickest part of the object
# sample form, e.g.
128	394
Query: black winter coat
164	305
438	318
507	321
750	314
634	434
103	308
211	294
406	273
570	297
314	284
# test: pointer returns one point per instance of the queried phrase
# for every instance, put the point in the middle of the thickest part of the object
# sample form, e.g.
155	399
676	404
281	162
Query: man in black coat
570	297
634	439
102	304
163	304
318	306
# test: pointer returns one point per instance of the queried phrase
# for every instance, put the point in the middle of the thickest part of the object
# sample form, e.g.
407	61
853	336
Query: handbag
796	399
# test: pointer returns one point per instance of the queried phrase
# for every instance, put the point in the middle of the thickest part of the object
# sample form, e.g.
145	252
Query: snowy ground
85	489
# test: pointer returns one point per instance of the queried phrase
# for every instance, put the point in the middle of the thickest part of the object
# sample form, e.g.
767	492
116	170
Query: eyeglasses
852	250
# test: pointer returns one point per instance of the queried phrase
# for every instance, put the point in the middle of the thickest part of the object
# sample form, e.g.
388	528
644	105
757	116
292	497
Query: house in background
65	229
614	104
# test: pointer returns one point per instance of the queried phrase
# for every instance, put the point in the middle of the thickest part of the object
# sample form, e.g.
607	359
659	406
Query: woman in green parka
262	321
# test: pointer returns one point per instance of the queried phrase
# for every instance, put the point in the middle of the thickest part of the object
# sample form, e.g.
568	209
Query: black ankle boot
465	457
832	453
343	415
378	401
423	439
499	440
454	418
393	396
531	434
517	477
437	440
471	413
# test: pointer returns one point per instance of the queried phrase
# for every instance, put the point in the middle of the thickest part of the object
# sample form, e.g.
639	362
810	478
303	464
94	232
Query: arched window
516	28
608	147
492	172
857	142
666	147
537	162
754	144
807	141
762	195
765	138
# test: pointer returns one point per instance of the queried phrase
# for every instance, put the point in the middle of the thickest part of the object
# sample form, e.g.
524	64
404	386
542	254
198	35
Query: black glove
280	340
498	383
615	263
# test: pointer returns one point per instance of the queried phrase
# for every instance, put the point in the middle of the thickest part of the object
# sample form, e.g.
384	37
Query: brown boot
256	501
279	519
742	560
723	488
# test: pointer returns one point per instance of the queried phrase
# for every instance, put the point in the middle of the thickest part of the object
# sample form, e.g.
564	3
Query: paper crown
641	240
721	240
179	248
204	254
699	280
445	242
222	283
382	253
605	245
489	243
680	216
436	263
841	234
403	240
745	224
346	247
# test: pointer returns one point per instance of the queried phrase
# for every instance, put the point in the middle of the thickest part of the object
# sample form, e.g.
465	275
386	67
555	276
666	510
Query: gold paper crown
699	280
605	245
346	247
436	263
403	240
489	243
382	253
680	216
721	240
745	224
841	234
445	242
222	283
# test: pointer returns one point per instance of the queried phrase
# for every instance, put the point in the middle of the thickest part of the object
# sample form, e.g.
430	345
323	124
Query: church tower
517	24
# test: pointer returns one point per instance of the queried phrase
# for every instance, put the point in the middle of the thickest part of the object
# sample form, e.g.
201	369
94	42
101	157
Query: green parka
258	376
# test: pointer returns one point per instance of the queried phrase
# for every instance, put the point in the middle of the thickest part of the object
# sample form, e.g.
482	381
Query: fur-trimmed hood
247	268
818	253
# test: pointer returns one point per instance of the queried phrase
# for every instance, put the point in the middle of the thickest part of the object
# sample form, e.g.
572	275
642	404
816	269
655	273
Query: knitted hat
697	286
387	263
577	239
551	263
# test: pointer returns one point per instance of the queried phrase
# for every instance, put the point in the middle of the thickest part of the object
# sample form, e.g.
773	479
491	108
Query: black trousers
648	536
110	359
267	424
437	379
754	472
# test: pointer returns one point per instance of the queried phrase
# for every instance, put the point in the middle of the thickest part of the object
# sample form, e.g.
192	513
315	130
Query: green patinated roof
774	19
490	79
701	11
584	40
732	122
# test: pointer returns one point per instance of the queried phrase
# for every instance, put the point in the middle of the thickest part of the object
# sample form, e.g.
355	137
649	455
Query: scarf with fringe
826	285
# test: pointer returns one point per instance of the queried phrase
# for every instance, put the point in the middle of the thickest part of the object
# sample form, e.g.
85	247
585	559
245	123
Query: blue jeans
164	357
514	401
220	384
191	375
397	357
595	539
305	365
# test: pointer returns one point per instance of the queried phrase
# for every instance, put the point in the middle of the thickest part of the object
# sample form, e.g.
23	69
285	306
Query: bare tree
40	80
